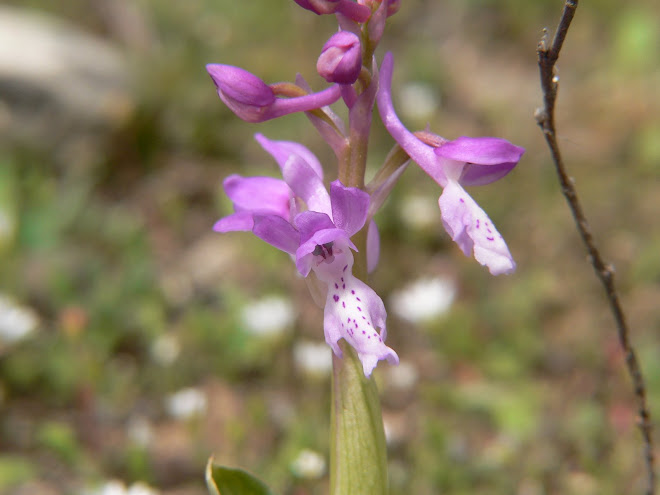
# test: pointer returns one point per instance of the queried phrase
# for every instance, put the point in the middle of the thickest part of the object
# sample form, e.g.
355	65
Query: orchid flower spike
453	164
252	100
318	239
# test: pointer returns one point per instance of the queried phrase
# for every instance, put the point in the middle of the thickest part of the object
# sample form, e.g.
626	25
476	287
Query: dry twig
545	117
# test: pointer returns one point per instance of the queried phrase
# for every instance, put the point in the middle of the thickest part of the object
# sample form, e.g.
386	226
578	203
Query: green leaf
226	481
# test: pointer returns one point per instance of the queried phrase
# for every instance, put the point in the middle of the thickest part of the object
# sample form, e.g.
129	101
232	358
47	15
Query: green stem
358	457
358	454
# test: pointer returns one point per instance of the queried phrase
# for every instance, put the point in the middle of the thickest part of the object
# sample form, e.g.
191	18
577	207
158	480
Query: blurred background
135	342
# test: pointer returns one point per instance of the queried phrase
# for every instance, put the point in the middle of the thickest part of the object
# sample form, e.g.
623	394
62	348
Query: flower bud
341	58
352	10
253	100
244	93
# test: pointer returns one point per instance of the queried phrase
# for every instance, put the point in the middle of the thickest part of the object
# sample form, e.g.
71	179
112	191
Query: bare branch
545	117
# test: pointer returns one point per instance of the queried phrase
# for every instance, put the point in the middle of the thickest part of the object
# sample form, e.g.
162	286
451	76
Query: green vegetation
105	234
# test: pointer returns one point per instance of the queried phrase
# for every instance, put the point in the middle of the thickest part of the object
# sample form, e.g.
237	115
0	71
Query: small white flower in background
418	101
419	212
16	322
165	350
403	376
397	427
314	358
268	316
116	487
140	488
112	487
139	431
308	465
186	404
424	299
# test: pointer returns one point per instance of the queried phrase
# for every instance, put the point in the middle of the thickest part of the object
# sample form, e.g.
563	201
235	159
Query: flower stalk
358	459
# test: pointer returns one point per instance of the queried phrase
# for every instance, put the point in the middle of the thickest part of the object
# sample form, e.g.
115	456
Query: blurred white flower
424	299
140	488
186	404
139	431
165	349
268	316
395	430
308	465
418	101
116	487
16	322
403	376
420	212
314	358
112	487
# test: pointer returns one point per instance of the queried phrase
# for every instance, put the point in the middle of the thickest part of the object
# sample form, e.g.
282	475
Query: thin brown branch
545	117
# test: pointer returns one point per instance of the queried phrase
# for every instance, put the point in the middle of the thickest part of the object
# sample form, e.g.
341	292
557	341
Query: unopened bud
244	93
253	100
341	58
352	10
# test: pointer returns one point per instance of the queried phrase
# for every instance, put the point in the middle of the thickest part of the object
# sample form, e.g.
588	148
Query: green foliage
60	439
14	470
226	481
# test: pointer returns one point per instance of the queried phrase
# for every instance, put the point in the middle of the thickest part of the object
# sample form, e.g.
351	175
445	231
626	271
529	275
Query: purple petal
373	246
306	259
258	194
487	159
349	207
277	232
237	222
305	184
355	11
418	151
481	151
310	222
469	226
282	150
479	175
316	229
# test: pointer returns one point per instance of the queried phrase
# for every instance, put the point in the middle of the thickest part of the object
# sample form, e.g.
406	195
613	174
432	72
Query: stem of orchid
358	459
358	454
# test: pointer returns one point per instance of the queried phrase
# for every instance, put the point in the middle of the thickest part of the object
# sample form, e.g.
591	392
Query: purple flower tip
243	92
486	159
480	151
352	10
341	58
